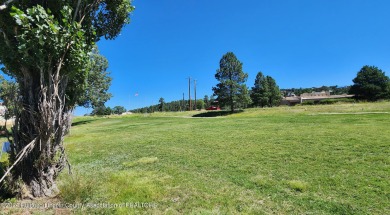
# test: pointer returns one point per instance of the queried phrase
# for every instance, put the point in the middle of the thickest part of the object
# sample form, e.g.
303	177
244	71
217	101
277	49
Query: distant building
313	96
2	109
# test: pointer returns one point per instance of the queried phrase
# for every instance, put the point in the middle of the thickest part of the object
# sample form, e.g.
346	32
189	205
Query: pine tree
274	95
371	84
231	91
260	91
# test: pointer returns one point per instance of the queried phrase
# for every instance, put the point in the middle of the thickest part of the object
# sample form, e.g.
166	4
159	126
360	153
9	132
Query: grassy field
330	159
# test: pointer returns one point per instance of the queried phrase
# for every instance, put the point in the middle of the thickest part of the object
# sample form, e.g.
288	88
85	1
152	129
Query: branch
4	6
21	154
86	10
76	11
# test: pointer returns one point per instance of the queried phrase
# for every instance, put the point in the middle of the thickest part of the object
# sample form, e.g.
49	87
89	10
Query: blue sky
301	43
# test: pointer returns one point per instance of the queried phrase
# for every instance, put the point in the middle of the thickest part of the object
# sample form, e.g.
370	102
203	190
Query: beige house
313	96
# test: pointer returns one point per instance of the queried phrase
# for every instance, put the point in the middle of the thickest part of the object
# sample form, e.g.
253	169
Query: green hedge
329	101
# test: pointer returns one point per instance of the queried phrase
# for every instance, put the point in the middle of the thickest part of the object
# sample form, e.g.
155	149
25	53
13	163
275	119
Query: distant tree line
175	106
370	84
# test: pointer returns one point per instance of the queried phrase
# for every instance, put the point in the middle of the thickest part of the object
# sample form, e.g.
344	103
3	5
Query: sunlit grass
328	159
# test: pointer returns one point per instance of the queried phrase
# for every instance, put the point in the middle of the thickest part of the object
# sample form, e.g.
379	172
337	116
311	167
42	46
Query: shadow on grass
83	122
217	113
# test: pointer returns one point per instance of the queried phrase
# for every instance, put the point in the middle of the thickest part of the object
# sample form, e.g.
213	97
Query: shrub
334	101
308	103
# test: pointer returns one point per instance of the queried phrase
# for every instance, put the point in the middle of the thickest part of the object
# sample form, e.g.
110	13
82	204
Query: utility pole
195	93
183	104
189	93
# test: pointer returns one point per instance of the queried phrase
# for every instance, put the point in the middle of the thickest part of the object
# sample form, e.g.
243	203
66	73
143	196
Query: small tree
371	84
118	110
231	89
161	102
200	104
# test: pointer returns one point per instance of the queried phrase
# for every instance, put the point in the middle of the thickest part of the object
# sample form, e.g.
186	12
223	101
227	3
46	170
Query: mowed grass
331	159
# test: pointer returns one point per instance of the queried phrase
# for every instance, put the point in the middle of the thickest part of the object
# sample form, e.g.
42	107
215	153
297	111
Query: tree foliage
161	102
119	110
102	111
371	84
260	91
265	91
45	47
173	106
97	83
9	96
231	89
200	104
274	95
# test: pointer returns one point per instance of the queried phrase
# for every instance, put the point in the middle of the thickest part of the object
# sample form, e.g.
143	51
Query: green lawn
331	159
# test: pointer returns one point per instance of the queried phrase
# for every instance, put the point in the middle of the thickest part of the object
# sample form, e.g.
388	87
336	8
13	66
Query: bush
328	101
334	101
308	103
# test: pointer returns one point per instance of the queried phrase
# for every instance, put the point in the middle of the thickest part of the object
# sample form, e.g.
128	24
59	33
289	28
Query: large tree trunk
43	121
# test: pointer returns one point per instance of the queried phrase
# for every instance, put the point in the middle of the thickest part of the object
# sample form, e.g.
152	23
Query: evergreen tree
274	95
260	91
371	84
161	104
231	89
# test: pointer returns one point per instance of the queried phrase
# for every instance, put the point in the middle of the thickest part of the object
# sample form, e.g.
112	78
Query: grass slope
331	159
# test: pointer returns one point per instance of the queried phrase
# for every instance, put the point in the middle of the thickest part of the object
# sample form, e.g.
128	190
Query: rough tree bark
44	117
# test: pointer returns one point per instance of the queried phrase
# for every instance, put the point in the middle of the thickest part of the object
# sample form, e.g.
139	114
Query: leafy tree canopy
371	84
97	83
118	110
